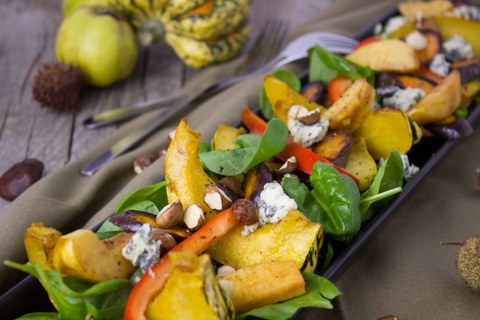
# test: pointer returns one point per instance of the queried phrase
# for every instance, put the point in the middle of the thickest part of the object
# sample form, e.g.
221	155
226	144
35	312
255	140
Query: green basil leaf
339	197
387	182
319	292
252	151
293	82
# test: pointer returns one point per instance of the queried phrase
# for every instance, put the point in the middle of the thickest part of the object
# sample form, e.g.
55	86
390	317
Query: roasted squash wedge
360	163
225	136
294	238
39	243
335	146
386	130
76	254
191	292
184	171
262	284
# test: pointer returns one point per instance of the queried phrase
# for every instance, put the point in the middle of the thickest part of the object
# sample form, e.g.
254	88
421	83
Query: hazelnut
232	185
477	177
216	198
310	118
289	166
143	161
389	317
245	211
168	242
193	217
170	215
19	178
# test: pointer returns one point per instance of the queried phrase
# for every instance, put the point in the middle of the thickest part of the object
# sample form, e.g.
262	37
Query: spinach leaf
149	199
325	66
306	202
252	150
75	298
293	82
387	182
40	316
339	198
319	292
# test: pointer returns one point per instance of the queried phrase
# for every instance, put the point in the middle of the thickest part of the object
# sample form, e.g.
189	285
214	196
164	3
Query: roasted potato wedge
348	112
440	102
360	163
388	55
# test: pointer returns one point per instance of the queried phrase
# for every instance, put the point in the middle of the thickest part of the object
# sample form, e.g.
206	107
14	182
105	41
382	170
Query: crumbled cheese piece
465	12
394	23
308	135
142	251
377	30
456	49
416	40
404	98
249	229
409	170
273	204
440	65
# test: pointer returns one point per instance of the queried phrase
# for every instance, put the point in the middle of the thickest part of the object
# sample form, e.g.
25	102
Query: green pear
100	44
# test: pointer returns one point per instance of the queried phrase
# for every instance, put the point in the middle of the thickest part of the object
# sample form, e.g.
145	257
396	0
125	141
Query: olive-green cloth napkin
402	271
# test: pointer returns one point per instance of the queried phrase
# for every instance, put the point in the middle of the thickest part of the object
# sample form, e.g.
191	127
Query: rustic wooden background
27	38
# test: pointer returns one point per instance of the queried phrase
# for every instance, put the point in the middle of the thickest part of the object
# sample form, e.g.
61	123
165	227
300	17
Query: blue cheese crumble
409	170
440	65
142	251
416	40
273	204
308	135
404	98
465	12
456	49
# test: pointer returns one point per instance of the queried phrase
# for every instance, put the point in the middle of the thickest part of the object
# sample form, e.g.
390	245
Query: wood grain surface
27	38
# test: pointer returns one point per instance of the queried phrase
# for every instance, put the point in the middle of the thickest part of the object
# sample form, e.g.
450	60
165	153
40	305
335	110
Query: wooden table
27	33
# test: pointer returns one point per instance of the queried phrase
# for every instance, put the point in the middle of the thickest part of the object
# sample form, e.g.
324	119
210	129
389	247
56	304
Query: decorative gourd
201	32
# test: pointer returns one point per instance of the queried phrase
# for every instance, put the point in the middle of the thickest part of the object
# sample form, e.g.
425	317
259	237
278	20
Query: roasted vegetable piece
313	91
76	254
439	103
426	9
277	90
455	129
386	130
335	146
184	170
337	87
388	55
225	136
469	69
427	75
255	179
415	82
39	244
467	29
191	292
306	158
352	107
294	238
149	286
434	46
262	284
360	163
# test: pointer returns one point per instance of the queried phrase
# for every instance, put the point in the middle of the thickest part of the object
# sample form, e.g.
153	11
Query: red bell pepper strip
306	158
153	281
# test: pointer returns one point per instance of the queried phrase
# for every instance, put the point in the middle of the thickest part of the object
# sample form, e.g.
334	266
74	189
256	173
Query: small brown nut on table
245	211
143	161
389	317
19	178
477	178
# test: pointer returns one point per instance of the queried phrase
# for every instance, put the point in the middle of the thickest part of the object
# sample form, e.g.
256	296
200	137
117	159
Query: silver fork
263	49
297	49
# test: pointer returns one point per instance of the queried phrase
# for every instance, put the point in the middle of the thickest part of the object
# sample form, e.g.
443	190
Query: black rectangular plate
29	296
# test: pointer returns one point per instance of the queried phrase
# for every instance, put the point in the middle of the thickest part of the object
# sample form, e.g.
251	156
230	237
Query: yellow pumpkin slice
386	130
39	243
183	170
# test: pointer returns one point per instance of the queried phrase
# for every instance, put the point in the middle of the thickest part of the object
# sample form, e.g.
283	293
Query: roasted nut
193	217
289	166
168	242
170	215
143	161
224	270
477	177
310	118
216	198
389	317
19	178
232	185
245	211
